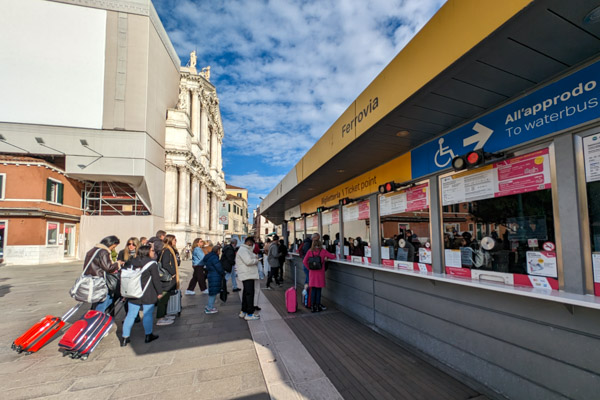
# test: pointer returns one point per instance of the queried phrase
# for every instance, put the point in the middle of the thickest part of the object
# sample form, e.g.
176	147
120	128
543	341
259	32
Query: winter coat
168	260
316	277
101	263
273	255
215	272
246	263
228	258
306	245
150	296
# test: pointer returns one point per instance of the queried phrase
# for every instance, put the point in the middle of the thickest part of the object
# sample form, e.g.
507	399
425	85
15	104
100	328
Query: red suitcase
84	335
291	297
41	332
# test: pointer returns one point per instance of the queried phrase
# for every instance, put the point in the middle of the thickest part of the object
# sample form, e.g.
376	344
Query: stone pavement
200	356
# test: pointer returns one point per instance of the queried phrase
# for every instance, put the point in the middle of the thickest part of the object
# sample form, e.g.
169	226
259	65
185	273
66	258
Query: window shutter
48	189
60	192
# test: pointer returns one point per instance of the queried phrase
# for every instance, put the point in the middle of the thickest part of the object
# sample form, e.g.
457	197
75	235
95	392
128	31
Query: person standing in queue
317	276
101	264
146	303
215	275
246	262
199	276
169	262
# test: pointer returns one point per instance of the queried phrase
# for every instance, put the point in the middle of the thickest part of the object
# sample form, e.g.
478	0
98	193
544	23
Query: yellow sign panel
397	170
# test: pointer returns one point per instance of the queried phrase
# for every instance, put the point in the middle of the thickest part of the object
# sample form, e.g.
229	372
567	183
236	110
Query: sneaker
237	289
242	314
210	311
170	316
164	321
322	307
252	317
190	292
205	291
269	288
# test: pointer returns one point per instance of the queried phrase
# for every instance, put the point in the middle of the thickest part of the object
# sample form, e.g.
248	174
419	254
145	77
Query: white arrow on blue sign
566	103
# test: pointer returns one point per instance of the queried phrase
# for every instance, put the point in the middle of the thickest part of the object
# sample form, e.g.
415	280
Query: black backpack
314	262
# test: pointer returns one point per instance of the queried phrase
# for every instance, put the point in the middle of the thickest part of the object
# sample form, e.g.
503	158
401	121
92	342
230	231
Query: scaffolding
112	198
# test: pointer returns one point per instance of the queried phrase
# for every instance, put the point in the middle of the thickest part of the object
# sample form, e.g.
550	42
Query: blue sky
286	70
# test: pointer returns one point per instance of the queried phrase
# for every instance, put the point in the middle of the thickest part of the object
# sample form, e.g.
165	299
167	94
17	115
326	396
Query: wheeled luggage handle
72	311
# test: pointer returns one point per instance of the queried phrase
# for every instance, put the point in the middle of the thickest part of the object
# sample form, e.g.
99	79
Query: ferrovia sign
563	104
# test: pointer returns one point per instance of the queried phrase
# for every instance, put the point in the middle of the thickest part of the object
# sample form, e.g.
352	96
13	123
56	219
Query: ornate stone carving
182	104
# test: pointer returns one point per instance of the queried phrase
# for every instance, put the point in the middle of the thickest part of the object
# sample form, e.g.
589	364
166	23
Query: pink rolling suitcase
291	297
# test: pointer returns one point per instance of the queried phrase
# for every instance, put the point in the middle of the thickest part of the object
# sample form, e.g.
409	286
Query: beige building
195	183
237	206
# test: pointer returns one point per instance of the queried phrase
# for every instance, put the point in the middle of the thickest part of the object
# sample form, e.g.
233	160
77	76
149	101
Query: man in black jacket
228	263
157	243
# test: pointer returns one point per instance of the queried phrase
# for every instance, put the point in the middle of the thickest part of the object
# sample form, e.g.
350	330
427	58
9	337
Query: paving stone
304	366
240	357
100	393
224	371
16	366
112	378
152	385
88	368
34	376
284	390
217	388
237	345
192	364
38	390
146	360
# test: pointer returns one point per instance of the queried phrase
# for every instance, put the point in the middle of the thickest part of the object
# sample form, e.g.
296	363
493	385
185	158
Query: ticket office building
484	253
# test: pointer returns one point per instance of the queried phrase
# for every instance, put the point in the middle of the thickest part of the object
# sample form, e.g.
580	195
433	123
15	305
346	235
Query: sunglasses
130	244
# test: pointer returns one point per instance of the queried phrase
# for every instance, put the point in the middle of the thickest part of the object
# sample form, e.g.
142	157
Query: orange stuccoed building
40	210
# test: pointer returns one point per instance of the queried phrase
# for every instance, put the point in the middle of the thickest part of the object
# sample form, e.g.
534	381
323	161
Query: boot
314	309
150	338
124	341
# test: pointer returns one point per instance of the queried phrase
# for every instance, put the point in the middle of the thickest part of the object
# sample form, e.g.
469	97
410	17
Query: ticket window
331	228
404	224
500	218
312	224
291	235
591	151
299	231
356	229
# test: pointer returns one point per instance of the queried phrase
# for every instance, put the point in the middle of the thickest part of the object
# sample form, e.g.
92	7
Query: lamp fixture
402	133
42	143
3	140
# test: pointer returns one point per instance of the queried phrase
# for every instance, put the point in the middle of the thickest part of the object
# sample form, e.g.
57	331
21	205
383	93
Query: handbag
113	283
88	288
165	275
314	262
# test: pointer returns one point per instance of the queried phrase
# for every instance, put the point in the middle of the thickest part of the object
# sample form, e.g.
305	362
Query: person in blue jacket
215	274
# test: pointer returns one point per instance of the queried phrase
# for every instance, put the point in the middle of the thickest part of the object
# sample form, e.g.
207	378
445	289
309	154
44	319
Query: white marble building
194	179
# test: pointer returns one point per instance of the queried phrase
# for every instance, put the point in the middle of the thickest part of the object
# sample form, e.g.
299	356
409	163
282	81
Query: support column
195	203
203	206
204	133
183	214
171	194
214	217
213	151
375	227
435	225
195	117
219	155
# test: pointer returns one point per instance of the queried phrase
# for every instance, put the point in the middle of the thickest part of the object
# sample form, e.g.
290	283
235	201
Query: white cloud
286	70
254	181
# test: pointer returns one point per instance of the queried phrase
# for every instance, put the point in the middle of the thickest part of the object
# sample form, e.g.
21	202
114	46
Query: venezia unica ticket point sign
566	103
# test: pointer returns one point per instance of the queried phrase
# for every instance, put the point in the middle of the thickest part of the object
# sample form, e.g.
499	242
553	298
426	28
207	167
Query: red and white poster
526	173
363	210
412	199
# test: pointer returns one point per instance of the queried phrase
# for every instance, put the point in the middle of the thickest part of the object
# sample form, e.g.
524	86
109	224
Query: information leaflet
591	151
413	199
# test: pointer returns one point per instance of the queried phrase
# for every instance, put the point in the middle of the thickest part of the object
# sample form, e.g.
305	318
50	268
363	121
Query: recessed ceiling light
341	170
402	133
310	189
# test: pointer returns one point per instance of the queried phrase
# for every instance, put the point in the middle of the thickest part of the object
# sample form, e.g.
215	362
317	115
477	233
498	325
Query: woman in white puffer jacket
246	263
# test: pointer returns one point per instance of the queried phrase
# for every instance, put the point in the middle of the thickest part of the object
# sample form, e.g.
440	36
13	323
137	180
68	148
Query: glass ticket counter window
291	237
404	223
312	224
298	231
331	229
591	151
356	229
499	219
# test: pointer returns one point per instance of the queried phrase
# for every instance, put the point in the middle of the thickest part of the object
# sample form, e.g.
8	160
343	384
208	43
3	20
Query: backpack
131	282
314	262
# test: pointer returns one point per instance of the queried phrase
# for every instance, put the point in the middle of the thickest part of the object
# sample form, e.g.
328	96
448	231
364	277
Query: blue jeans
306	273
211	301
102	306
147	321
233	276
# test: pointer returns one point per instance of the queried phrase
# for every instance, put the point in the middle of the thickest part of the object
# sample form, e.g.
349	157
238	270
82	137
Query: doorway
69	240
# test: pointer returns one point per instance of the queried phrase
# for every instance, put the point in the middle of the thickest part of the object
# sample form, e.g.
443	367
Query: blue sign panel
568	102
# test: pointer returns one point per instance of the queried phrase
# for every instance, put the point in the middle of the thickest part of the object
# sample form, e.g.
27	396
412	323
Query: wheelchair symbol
443	151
